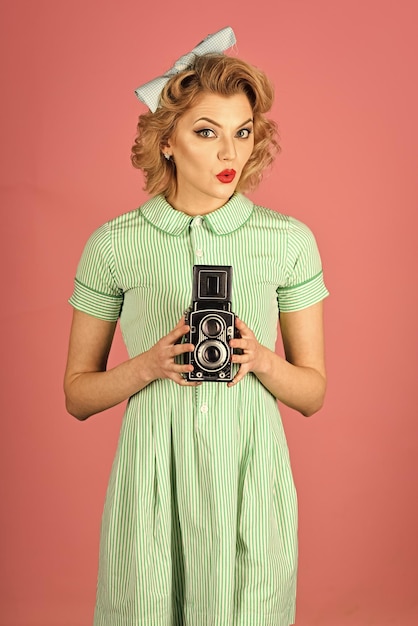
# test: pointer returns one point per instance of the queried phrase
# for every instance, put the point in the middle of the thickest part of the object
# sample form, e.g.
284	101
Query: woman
200	519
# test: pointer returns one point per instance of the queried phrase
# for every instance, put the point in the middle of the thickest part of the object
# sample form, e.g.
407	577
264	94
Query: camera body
212	324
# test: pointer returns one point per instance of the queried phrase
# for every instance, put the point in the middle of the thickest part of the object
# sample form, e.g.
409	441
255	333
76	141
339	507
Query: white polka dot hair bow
150	93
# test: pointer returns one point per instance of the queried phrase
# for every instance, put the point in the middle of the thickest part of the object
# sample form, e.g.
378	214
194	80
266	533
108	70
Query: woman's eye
205	132
244	133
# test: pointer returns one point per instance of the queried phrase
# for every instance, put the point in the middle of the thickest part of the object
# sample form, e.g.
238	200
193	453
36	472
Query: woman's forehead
217	108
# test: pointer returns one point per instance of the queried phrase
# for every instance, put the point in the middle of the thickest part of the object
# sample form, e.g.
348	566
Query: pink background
346	102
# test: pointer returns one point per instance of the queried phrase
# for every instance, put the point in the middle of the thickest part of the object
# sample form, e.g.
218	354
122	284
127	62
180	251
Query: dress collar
223	221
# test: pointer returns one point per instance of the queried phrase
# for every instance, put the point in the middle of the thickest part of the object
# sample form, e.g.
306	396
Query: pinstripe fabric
200	519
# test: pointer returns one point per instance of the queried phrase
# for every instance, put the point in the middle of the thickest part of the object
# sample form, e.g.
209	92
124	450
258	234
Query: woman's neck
196	206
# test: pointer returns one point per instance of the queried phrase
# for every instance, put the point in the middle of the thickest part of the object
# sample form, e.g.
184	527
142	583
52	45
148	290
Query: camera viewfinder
212	285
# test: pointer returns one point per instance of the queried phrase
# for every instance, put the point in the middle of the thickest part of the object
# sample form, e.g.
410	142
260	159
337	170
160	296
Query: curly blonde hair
211	73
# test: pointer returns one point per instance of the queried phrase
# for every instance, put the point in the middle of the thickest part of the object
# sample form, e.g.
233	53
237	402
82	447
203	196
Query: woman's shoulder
282	221
125	220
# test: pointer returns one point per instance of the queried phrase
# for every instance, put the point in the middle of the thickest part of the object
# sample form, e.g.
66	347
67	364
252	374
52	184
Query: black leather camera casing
212	324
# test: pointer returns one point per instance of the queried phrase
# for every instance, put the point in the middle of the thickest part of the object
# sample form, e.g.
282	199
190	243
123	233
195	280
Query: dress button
199	252
204	408
198	221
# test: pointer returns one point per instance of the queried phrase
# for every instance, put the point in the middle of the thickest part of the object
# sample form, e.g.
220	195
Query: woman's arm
90	388
299	381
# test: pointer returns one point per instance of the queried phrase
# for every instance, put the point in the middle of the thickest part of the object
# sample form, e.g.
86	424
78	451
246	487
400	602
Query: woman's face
210	147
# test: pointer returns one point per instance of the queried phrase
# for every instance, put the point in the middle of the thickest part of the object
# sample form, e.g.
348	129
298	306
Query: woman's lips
226	176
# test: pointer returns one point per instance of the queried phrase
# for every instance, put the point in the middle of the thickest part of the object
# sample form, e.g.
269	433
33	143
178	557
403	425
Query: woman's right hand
90	387
160	360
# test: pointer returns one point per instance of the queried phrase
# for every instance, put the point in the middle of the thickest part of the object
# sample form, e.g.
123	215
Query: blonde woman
200	520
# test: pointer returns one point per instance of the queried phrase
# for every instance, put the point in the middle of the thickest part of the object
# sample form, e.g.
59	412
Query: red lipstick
226	176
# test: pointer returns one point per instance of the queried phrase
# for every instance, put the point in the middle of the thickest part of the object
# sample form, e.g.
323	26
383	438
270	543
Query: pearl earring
167	156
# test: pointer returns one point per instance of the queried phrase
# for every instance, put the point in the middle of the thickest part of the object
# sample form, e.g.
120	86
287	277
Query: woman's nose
227	150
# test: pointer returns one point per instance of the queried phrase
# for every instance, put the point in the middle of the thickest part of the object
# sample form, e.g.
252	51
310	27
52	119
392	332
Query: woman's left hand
251	356
299	379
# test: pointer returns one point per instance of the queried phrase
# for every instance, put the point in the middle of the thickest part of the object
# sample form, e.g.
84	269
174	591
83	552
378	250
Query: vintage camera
212	324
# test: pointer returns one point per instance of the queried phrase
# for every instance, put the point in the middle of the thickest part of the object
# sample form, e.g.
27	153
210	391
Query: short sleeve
96	291
304	284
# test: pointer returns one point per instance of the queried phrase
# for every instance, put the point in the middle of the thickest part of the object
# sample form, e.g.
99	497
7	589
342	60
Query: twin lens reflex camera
212	324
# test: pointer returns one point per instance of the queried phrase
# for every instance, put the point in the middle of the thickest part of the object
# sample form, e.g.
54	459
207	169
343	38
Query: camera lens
212	326
212	355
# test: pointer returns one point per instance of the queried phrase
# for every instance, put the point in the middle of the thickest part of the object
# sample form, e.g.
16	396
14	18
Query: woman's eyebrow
207	119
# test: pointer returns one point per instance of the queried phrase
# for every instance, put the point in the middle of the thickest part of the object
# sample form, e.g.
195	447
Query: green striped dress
200	520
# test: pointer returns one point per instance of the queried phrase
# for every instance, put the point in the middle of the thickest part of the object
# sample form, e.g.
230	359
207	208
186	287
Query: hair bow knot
150	92
183	63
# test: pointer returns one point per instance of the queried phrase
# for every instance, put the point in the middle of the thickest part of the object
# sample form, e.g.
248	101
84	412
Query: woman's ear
167	150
